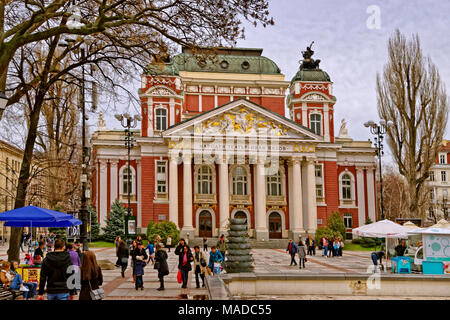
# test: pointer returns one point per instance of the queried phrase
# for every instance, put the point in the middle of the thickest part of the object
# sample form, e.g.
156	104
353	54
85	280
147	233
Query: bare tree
124	36
411	94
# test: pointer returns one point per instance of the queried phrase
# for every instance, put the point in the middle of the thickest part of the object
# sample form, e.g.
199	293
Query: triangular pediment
242	118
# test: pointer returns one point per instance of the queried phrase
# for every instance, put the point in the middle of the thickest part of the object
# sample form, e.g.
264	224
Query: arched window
316	123
161	119
346	187
204	180
274	184
239	175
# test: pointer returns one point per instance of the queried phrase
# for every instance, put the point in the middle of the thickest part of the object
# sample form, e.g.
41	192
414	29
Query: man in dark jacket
54	273
292	250
180	248
139	256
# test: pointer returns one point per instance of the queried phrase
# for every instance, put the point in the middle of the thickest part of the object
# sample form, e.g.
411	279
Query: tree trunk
24	177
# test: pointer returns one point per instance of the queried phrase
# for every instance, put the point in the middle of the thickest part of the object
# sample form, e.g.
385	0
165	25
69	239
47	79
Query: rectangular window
348	220
442	159
431	175
161	177
319	191
318	171
443	176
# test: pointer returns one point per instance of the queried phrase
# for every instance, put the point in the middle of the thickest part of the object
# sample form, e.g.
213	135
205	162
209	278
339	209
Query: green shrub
336	223
163	229
326	232
368	242
356	240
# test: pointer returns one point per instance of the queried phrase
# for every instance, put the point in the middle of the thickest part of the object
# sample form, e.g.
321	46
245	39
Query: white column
102	212
139	194
261	230
371	194
360	196
171	112
114	181
291	195
297	221
304	115
187	197
326	122
173	190
224	195
311	191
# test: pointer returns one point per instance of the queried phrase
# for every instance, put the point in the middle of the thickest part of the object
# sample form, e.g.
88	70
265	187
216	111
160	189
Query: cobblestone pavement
266	261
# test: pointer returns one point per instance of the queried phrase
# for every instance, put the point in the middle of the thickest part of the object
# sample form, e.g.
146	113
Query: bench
9	294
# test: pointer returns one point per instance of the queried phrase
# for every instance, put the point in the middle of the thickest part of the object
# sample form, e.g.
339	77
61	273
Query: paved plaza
266	261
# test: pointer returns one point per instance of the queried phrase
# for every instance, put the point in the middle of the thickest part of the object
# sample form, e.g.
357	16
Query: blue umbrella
34	214
43	224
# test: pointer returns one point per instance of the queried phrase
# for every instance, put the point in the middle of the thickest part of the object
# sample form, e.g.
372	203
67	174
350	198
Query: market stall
435	250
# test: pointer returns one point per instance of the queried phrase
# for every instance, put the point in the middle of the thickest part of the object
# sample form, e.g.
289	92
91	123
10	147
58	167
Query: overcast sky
351	43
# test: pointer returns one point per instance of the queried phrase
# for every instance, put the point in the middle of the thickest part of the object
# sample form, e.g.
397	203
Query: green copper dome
311	75
227	60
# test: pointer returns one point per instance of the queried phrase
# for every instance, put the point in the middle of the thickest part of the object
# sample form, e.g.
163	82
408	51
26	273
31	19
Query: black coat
54	272
85	292
190	258
161	263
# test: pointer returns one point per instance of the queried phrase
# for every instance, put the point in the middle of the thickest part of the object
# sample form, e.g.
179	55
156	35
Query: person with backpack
199	266
215	257
151	252
292	249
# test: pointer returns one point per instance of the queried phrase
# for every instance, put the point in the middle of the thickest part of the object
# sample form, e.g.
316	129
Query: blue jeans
325	251
139	281
57	296
32	287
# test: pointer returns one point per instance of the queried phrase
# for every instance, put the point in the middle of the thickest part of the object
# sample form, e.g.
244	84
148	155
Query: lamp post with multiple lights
379	130
128	122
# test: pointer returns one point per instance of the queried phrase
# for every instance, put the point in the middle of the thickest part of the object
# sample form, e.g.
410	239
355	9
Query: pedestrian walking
74	257
54	273
215	258
151	252
301	254
180	246
91	277
116	244
122	256
132	248
222	246
308	244
139	258
184	264
336	247
161	265
169	242
205	244
199	266
292	249
325	247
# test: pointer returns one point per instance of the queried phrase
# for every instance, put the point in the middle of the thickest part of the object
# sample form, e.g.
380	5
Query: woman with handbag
161	265
199	266
184	264
91	278
122	256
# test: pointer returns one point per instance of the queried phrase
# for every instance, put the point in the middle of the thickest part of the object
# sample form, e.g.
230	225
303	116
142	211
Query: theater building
216	141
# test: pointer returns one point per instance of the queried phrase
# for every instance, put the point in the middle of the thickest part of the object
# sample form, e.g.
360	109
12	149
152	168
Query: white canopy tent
442	224
383	229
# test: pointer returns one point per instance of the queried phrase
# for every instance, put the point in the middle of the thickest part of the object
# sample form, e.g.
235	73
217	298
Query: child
215	257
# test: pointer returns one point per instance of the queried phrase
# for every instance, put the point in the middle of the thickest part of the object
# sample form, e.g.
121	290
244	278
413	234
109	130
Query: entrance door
274	225
205	224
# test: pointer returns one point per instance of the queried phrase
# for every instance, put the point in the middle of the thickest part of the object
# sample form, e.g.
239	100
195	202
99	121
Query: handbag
97	294
157	265
203	262
179	278
124	260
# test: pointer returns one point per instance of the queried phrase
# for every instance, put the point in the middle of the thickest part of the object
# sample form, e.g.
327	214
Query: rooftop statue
343	131
308	62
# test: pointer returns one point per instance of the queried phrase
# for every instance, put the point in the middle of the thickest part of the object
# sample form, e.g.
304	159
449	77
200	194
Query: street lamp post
379	130
83	212
128	122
